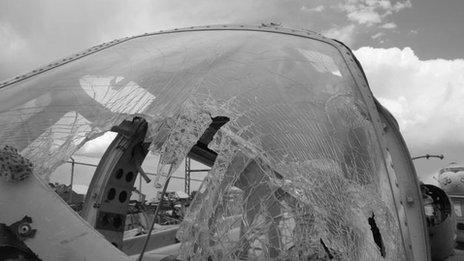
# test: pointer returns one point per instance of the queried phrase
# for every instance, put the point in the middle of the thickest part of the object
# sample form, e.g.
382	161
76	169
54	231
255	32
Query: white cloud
318	8
365	16
425	96
370	12
344	34
12	46
48	30
10	41
402	5
377	35
389	25
97	146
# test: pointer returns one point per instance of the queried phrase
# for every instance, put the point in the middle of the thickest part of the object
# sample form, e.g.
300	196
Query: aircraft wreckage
284	116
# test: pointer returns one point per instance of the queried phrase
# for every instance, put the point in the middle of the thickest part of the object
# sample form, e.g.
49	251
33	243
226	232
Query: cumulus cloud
365	16
10	40
389	25
424	95
318	8
97	146
345	34
377	35
12	44
401	5
370	12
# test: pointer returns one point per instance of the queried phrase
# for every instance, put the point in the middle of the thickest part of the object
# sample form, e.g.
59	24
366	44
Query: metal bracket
23	229
107	203
12	246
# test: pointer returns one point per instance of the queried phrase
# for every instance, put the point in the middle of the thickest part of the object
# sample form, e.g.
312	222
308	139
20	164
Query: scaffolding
187	177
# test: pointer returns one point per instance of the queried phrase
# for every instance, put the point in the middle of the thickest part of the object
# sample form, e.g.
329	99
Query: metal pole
155	217
72	180
427	156
140	188
187	176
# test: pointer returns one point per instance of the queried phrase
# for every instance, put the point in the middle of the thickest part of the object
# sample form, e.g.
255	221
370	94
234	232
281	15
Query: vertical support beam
73	162
140	188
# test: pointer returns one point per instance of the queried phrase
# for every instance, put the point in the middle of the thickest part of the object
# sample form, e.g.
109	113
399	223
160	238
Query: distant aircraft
283	116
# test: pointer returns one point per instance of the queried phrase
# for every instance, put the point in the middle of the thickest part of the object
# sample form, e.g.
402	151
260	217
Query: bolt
24	229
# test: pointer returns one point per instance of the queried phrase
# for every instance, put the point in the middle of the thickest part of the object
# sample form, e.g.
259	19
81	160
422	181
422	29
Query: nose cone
451	179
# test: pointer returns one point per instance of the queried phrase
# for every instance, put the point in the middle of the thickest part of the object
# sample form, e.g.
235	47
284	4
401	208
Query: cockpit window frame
377	115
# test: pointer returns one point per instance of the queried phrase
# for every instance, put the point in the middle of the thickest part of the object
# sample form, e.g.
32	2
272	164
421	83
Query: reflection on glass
457	209
116	93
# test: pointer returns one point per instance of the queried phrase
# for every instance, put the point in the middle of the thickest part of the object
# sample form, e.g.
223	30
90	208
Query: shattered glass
299	173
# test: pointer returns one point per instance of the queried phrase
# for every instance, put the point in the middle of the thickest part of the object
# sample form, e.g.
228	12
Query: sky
411	50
